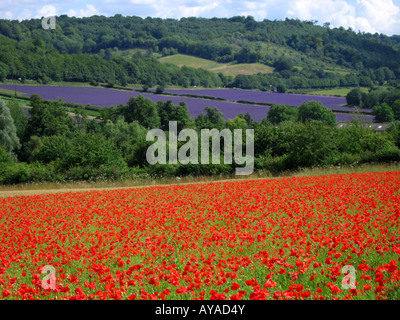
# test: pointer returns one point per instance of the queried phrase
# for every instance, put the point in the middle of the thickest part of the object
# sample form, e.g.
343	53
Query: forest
303	54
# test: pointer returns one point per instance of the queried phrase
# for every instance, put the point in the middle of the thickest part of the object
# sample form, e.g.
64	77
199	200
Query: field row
103	97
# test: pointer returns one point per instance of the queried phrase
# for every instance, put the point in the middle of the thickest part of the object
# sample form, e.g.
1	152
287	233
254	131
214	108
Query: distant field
9	92
225	68
338	92
237	100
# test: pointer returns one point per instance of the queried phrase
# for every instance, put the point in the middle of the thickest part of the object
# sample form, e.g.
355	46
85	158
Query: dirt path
12	193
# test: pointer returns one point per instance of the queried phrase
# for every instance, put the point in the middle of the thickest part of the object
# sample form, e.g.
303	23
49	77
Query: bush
314	110
159	89
383	113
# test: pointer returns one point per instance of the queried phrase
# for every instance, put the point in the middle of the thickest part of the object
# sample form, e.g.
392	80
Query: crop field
225	68
104	97
286	238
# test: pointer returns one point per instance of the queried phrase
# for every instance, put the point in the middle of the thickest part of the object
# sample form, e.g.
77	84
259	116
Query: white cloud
90	11
182	8
365	15
46	11
145	2
25	15
256	9
381	15
8	15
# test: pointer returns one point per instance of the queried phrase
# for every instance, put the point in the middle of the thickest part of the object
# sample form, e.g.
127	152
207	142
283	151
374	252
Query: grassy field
337	92
225	68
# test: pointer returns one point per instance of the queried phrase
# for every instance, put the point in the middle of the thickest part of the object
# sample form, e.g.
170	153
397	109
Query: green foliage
383	113
396	109
280	113
143	111
159	89
116	146
353	98
20	120
394	132
314	110
95	49
169	112
281	88
5	159
48	118
211	119
8	133
283	64
92	150
313	145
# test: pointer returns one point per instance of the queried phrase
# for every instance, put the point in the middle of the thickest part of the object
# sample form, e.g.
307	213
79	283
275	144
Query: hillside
225	68
292	53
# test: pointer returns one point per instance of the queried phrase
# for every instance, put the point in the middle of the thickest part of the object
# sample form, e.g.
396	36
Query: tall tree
315	110
8	133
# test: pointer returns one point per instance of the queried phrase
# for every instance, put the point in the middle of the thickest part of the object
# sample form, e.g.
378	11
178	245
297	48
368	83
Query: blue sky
382	16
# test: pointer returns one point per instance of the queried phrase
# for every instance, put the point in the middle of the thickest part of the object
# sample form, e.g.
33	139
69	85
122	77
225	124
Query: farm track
13	193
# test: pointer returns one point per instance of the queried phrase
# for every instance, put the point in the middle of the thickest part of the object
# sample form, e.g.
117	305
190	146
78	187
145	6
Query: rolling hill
225	68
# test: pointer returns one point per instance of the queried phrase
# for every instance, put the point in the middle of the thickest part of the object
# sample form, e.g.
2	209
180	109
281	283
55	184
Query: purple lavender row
103	97
267	97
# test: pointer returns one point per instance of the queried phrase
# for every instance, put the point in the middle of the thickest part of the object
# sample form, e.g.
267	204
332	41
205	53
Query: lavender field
104	97
268	97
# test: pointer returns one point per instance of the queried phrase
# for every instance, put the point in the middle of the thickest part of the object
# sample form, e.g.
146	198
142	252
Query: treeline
290	77
28	60
50	145
220	39
33	61
84	49
385	102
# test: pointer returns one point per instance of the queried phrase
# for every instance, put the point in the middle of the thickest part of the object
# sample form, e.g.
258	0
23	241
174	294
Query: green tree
91	151
159	89
8	133
383	113
210	120
169	112
394	132
396	109
283	64
353	97
48	119
313	145
315	110
279	113
20	119
142	110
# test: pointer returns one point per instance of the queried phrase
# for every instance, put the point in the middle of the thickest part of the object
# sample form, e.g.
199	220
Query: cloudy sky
382	16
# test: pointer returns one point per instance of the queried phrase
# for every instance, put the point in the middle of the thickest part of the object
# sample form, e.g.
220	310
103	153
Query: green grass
337	92
8	92
225	68
51	83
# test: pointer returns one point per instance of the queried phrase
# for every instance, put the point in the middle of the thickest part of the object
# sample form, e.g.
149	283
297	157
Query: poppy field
284	238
